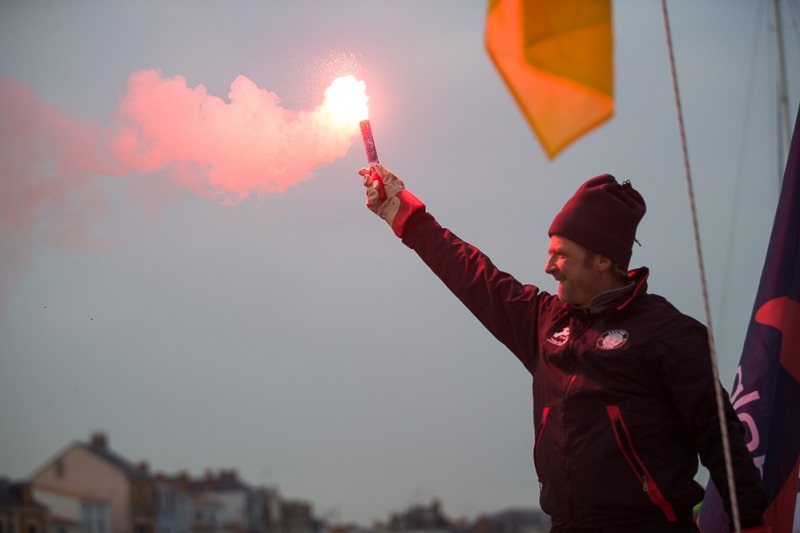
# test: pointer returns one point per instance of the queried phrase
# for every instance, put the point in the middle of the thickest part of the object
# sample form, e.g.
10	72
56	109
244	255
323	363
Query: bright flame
346	101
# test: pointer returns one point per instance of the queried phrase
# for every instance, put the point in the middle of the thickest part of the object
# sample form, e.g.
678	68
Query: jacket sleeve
690	379
506	307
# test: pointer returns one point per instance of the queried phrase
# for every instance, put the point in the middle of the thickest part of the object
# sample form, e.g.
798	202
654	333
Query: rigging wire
737	184
783	94
783	98
794	8
723	425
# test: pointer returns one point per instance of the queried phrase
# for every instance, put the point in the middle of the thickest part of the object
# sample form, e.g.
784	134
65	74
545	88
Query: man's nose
549	266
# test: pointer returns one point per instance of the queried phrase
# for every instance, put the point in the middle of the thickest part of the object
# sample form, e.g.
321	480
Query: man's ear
603	263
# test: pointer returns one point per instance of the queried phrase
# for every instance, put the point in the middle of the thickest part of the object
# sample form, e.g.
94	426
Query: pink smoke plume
248	145
45	162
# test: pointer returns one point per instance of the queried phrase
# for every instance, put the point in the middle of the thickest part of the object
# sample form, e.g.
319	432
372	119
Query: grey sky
293	337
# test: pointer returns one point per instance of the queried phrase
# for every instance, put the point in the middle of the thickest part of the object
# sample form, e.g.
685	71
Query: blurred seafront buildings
89	488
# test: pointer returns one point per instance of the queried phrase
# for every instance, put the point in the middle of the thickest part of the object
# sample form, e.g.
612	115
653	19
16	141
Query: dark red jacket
623	393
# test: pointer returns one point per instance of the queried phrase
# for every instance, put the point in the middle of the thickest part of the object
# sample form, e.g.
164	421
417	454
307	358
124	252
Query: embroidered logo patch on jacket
613	339
559	338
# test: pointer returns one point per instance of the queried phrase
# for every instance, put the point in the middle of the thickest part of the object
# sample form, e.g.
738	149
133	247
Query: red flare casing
369	141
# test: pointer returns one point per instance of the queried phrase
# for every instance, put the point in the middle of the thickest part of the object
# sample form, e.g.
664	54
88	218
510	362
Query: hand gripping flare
388	198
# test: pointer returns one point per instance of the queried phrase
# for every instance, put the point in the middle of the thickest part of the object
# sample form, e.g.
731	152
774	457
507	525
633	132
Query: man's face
573	266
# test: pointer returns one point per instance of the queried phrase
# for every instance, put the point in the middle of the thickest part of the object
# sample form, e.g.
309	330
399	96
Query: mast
783	99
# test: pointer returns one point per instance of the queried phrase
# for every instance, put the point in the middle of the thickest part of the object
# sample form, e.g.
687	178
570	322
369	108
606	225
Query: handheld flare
369	141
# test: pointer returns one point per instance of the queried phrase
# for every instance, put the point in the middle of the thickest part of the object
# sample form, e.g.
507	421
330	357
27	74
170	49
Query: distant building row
87	488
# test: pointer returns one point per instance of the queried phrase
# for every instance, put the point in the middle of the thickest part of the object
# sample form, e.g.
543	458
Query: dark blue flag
766	390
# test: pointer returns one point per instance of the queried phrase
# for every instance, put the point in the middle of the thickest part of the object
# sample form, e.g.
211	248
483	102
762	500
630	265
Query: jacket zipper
576	329
627	450
545	412
625	444
567	443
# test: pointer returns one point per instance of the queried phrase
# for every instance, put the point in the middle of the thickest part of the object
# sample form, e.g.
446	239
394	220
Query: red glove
388	197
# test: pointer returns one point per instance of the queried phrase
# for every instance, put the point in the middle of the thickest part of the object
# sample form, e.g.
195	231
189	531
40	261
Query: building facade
91	485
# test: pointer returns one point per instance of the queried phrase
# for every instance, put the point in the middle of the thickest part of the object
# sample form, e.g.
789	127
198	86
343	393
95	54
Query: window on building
95	517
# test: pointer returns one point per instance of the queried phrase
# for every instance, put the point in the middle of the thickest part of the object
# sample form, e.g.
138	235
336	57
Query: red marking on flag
784	315
779	513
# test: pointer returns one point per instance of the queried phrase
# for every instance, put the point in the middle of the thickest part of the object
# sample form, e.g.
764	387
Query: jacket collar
638	285
618	298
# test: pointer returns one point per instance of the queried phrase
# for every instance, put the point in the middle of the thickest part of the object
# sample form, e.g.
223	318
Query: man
623	386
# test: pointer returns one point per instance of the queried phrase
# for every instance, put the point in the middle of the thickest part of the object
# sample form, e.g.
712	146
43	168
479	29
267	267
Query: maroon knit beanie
602	216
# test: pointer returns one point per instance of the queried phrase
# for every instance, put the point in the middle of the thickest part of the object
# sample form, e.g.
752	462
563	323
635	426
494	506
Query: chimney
183	479
99	440
144	467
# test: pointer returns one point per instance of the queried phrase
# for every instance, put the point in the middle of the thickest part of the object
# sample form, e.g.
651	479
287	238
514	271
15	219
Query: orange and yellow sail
557	59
